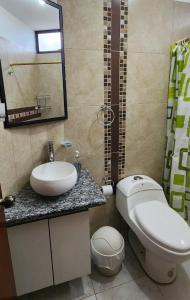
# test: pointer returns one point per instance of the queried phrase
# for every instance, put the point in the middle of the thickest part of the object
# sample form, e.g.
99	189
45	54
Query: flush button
137	178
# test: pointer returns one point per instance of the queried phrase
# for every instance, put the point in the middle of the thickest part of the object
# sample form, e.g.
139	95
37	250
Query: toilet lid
164	225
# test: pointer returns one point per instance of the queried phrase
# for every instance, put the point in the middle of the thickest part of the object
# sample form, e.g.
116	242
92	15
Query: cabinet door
31	256
70	242
7	284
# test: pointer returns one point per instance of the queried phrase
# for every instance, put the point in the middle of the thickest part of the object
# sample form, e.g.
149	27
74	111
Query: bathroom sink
53	178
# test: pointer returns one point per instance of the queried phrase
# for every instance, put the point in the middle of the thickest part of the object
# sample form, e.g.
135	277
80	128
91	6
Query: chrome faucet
50	152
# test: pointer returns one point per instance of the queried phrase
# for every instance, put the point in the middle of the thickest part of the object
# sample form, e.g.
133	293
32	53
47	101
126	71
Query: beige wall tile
39	138
150	25
150	35
106	215
181	21
84	73
95	163
7	165
97	218
112	215
55	132
146	124
147	78
83	24
22	155
83	129
145	141
146	161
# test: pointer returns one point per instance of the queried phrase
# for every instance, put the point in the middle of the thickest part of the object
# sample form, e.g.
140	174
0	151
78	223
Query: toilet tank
134	190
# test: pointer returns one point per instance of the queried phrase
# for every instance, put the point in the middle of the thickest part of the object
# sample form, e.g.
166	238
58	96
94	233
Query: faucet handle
50	151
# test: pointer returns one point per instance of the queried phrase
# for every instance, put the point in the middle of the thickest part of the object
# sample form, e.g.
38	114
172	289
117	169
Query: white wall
16	31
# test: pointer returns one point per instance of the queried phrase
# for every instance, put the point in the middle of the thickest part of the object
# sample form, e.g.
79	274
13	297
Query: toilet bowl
158	235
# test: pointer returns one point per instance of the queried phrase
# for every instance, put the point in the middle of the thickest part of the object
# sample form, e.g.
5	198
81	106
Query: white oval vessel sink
53	178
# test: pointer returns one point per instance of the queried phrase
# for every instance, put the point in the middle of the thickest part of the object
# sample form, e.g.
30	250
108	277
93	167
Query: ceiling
34	15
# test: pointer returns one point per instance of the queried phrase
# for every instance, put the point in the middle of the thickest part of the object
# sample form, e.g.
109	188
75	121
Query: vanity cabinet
7	283
31	256
70	243
50	252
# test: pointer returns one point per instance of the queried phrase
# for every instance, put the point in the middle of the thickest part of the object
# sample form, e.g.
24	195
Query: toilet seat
163	225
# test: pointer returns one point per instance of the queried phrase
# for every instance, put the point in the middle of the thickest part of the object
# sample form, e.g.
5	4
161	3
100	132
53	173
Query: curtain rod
183	41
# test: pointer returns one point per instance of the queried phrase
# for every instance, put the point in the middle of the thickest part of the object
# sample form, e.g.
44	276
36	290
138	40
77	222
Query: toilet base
156	267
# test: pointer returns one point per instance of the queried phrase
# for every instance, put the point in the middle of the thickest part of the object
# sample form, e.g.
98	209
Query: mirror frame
7	124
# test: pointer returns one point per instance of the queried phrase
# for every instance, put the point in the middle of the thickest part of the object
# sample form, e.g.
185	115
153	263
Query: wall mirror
32	82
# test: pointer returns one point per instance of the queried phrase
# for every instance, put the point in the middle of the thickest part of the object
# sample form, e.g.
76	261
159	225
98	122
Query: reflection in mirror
32	61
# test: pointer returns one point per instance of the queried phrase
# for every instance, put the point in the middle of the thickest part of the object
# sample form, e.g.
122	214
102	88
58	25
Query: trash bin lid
107	241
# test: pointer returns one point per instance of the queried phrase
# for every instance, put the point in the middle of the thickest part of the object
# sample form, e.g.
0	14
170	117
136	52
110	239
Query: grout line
82	106
87	297
93	285
148	52
121	284
84	49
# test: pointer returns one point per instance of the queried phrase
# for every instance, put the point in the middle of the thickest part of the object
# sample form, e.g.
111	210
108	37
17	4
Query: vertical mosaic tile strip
107	89
122	88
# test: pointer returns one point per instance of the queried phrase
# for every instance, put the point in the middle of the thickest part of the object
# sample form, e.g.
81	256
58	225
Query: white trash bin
108	250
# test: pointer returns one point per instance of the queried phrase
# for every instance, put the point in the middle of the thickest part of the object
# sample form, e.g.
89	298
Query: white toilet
159	237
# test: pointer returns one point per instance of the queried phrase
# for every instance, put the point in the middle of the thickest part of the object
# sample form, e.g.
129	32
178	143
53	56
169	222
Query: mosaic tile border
123	83
107	88
115	64
23	114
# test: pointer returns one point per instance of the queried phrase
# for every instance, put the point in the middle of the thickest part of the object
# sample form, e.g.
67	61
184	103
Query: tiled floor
130	284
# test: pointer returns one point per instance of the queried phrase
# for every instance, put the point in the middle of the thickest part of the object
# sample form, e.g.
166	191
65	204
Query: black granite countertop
30	206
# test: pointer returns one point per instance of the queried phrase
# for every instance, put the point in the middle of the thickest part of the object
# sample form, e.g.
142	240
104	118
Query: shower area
176	179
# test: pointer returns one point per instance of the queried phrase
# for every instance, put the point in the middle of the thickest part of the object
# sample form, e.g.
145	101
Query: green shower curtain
176	179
